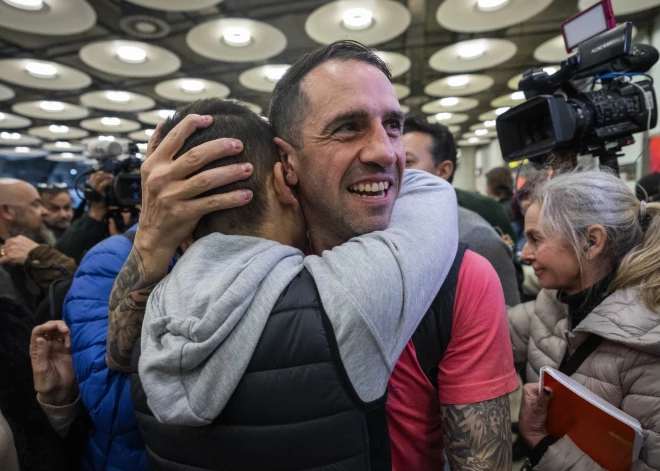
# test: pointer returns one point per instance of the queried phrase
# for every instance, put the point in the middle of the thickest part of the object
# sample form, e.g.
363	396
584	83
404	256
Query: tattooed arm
478	436
138	277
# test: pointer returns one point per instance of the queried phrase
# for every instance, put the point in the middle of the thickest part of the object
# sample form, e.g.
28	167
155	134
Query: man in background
58	202
431	147
499	186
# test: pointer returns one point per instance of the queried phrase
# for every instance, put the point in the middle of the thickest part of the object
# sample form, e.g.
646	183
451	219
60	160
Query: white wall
464	177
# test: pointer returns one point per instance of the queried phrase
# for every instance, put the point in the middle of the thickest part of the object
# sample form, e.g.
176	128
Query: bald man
28	262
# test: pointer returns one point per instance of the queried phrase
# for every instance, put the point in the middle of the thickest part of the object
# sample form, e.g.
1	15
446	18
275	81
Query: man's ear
289	159
283	191
6	212
444	169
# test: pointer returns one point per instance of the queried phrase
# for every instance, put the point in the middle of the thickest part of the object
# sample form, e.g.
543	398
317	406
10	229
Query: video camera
598	122
125	191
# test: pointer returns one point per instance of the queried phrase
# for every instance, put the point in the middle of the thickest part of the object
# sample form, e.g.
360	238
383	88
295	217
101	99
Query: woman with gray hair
596	251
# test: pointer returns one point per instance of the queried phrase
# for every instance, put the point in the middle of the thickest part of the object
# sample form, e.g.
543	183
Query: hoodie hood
203	322
623	318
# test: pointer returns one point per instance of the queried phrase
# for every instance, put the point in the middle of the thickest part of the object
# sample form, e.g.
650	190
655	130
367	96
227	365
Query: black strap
571	363
433	334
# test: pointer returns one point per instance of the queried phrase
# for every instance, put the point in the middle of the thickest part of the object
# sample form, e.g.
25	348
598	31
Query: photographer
596	251
91	228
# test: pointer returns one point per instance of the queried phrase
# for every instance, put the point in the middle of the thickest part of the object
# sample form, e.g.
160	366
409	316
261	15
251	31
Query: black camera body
125	191
597	122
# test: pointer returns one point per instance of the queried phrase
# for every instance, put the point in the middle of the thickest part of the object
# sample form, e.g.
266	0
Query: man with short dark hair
58	202
426	146
499	186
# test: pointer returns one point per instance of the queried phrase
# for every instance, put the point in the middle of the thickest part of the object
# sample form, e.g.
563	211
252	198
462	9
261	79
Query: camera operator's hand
52	365
15	250
100	182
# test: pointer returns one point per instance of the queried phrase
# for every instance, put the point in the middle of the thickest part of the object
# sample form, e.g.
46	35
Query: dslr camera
562	115
125	191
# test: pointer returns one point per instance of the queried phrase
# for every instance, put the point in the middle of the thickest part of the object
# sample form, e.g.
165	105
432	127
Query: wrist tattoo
478	436
128	302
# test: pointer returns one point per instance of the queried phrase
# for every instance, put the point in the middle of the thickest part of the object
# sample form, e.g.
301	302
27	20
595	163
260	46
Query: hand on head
52	365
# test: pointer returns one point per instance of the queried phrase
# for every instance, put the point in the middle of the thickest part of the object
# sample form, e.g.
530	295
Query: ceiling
423	38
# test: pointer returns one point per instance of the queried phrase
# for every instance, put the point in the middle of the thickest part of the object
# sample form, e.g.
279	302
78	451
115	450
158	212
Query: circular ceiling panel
448	118
64	146
367	21
6	93
475	54
155	116
405	109
21	152
43	75
123	141
480	133
262	78
55	132
397	63
66	157
175	5
472	142
623	7
51	110
510	100
142	136
191	89
12	121
402	91
236	40
9	138
115	100
493	114
129	58
513	82
110	125
51	18
450	104
489	125
459	85
478	16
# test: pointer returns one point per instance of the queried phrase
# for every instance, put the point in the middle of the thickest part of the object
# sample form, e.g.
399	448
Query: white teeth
361	187
381	186
386	185
378	188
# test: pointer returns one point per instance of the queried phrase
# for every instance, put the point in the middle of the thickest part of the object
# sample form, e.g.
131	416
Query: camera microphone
98	149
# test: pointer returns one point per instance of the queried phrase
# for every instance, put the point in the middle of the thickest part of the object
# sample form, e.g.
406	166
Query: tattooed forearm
128	302
478	436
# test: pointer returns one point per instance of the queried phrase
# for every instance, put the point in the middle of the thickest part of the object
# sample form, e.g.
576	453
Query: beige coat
624	369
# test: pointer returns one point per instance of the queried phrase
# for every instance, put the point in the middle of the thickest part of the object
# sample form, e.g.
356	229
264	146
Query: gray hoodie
203	321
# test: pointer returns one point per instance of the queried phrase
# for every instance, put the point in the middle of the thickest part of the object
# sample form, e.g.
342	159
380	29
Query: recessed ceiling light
458	81
518	96
131	54
22	149
2	116
357	19
502	110
449	102
443	116
67	155
118	97
62	144
106	138
10	135
51	106
490	123
237	37
164	114
549	70
471	51
149	132
31	5
481	132
41	70
110	121
473	140
273	74
142	146
491	5
192	86
58	129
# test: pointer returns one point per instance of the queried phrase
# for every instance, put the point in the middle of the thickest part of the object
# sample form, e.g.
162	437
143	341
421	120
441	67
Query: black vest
294	408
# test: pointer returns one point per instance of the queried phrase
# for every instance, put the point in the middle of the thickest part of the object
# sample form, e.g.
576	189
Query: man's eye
394	125
348	127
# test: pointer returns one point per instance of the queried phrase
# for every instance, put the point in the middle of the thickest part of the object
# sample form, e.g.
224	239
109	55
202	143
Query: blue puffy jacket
114	443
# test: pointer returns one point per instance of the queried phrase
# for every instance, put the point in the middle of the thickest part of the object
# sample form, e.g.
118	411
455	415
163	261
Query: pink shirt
477	367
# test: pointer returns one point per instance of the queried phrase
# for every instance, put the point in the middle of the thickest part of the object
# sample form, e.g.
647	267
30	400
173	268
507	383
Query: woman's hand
52	365
534	413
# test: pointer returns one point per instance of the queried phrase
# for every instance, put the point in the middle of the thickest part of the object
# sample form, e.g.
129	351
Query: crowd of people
311	293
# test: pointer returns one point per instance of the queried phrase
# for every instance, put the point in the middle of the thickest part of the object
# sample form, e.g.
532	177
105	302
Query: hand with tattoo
170	210
477	436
